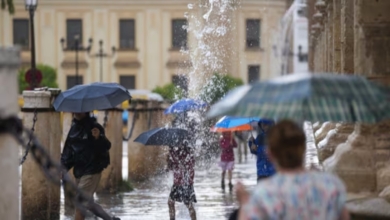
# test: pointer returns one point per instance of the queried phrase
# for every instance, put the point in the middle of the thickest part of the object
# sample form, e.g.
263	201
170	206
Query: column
9	149
336	36
329	40
347	36
112	175
41	198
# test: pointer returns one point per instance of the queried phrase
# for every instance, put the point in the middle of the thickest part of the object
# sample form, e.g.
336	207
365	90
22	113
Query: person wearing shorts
227	143
181	161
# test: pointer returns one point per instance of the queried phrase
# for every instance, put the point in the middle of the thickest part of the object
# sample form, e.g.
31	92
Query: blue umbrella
163	137
95	96
184	105
230	121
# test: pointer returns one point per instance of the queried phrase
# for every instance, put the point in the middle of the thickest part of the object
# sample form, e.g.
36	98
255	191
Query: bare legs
230	174
171	205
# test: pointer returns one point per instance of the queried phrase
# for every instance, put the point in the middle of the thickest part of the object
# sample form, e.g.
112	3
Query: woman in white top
293	193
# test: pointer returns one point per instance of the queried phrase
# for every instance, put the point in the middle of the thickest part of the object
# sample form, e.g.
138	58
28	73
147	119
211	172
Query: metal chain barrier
132	127
52	170
28	146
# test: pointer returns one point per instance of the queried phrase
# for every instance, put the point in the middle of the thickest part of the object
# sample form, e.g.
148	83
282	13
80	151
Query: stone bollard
67	118
354	162
9	166
323	131
112	175
336	136
144	161
41	198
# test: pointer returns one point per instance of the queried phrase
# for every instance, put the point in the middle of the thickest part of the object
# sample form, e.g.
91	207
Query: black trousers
234	215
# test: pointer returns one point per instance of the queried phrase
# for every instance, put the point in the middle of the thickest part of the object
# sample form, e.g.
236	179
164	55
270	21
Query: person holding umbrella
86	150
294	192
257	147
181	161
227	143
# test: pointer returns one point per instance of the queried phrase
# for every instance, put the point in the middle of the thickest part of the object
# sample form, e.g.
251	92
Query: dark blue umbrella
184	105
163	136
95	96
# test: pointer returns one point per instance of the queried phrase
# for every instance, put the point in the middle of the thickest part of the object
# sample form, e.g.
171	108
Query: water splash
211	23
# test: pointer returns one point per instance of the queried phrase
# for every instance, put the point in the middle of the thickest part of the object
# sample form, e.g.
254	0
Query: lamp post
76	47
102	55
33	76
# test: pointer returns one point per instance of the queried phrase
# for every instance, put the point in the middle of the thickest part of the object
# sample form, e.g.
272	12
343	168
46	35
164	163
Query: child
227	143
181	161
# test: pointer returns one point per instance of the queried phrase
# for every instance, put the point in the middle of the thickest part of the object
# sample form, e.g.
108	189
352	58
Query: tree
217	87
49	77
9	4
170	92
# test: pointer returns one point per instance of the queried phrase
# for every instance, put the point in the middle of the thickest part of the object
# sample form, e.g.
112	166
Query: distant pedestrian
293	193
257	146
181	161
227	143
86	150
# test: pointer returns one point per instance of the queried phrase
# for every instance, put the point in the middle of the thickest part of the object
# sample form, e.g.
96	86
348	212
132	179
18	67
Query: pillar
41	198
112	175
347	36
329	40
336	36
144	161
67	118
9	149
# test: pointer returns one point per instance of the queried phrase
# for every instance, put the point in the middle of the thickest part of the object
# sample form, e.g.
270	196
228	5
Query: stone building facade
353	37
147	35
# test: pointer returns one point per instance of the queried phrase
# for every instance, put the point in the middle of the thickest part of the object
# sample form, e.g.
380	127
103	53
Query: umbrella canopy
163	136
231	121
314	97
95	96
229	101
245	127
184	105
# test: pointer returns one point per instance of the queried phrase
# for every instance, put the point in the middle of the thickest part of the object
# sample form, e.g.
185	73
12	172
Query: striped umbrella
313	97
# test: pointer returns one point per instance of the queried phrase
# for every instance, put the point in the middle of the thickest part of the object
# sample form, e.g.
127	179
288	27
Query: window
180	81
253	74
71	81
127	81
126	34
179	33
252	33
74	28
21	33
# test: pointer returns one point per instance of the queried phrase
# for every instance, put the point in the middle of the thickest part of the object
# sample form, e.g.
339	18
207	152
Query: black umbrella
163	136
95	96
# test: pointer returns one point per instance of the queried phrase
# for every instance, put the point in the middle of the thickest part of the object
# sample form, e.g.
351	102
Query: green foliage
125	186
217	87
170	92
9	4
49	77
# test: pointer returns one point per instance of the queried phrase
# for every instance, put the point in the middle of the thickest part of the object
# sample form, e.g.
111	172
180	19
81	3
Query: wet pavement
149	199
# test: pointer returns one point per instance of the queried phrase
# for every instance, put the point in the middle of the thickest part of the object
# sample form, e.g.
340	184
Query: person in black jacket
86	150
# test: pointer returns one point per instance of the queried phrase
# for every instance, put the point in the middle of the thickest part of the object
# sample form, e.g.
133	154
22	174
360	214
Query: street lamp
33	76
76	47
102	55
